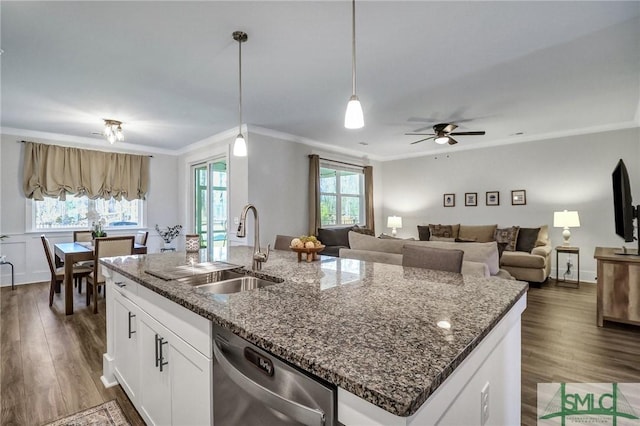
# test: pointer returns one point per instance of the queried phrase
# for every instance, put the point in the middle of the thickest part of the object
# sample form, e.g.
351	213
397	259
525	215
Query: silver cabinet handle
157	350
131	331
299	412
162	362
120	284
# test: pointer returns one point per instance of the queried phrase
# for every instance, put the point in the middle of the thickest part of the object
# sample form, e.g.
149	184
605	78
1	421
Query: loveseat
337	238
480	259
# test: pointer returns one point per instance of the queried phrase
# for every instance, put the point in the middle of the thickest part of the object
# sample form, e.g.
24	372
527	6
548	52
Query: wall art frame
449	200
518	197
471	199
492	198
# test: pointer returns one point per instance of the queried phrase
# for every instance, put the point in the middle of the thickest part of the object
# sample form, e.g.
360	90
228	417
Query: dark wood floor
51	363
561	343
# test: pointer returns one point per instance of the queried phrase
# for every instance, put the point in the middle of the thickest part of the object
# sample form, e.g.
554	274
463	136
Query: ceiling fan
442	134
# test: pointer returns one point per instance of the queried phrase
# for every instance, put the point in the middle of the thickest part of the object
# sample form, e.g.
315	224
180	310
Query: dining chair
141	237
57	274
283	242
106	247
82	236
432	258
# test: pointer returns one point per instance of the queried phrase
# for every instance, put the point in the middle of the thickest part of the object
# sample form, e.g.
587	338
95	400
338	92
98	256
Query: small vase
94	235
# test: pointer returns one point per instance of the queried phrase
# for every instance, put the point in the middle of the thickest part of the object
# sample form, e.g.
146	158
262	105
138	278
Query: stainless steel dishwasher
252	387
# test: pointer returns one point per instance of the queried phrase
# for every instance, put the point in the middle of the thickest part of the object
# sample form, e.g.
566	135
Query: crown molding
94	143
520	139
226	136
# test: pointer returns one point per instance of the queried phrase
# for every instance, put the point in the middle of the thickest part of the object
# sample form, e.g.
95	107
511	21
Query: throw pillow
481	234
441	231
363	230
334	236
527	238
543	236
508	237
423	233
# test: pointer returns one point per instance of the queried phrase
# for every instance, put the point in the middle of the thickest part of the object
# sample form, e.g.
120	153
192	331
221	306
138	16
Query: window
341	196
81	212
210	186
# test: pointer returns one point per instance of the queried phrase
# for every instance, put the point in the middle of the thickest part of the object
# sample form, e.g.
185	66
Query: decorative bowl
311	253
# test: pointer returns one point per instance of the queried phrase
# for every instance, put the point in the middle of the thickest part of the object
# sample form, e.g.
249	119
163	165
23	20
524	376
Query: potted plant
98	229
168	234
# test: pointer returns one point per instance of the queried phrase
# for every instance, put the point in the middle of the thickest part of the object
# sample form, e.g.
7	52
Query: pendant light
354	118
240	145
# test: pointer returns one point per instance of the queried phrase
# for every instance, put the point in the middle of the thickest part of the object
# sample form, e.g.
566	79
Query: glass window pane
80	212
350	183
328	210
327	180
350	210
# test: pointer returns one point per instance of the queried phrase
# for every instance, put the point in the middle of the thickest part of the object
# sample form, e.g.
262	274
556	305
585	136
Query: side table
568	250
4	262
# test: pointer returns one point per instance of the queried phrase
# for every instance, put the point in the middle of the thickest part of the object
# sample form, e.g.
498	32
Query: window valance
54	171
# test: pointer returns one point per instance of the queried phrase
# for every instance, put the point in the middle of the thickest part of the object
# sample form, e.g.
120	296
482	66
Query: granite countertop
369	328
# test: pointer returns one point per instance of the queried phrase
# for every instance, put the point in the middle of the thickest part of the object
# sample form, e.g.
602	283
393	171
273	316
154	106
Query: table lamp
566	219
394	222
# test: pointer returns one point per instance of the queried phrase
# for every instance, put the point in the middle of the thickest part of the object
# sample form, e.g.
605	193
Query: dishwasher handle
299	412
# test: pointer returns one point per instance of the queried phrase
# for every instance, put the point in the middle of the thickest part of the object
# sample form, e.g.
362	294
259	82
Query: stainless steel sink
236	285
211	277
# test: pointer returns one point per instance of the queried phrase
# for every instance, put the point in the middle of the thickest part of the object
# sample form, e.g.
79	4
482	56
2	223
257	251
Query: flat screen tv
623	208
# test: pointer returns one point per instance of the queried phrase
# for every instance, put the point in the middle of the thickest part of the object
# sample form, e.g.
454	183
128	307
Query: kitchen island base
496	361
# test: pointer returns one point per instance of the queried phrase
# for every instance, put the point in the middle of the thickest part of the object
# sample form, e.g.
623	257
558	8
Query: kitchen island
402	345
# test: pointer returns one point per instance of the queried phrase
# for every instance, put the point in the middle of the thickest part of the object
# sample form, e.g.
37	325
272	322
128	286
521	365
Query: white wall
24	249
572	173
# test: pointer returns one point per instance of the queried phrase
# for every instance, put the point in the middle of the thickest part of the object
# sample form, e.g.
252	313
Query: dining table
71	253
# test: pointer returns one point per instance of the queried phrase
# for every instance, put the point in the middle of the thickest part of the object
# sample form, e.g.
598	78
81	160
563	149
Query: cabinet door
126	344
191	381
155	397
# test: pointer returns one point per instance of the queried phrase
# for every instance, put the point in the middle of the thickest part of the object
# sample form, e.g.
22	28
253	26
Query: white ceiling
168	70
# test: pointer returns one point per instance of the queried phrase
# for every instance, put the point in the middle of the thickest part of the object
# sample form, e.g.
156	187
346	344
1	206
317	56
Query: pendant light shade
240	144
353	118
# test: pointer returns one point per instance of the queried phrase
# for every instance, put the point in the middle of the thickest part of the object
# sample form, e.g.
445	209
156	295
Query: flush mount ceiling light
354	118
113	131
240	145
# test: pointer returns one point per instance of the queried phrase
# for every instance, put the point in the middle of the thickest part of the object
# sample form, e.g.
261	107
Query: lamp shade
394	222
566	219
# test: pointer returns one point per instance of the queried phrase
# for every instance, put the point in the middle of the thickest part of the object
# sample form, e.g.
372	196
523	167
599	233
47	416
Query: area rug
107	414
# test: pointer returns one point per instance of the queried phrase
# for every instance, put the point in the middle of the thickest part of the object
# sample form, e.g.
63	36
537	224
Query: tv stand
618	286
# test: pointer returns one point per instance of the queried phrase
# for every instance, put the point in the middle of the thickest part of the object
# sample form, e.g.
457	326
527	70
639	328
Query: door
155	399
210	209
126	344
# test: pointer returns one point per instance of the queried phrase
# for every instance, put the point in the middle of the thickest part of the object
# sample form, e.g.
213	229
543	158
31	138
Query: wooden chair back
110	247
432	258
82	236
47	252
283	242
141	238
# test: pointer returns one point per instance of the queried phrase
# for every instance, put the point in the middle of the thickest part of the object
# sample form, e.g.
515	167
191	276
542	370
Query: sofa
480	259
524	252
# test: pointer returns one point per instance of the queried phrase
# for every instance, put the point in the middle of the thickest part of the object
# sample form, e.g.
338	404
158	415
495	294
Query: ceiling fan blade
467	133
449	128
421	140
452	141
419	134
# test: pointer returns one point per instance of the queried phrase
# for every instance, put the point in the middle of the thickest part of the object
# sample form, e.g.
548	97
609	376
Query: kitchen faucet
258	256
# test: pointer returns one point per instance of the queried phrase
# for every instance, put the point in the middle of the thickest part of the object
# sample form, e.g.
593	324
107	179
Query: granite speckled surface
369	328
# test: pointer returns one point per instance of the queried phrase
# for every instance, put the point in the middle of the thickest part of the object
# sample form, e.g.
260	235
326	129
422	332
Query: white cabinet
126	334
160	353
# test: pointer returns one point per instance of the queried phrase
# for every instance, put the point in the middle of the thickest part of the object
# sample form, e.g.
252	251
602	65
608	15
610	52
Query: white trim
95	143
518	139
227	135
